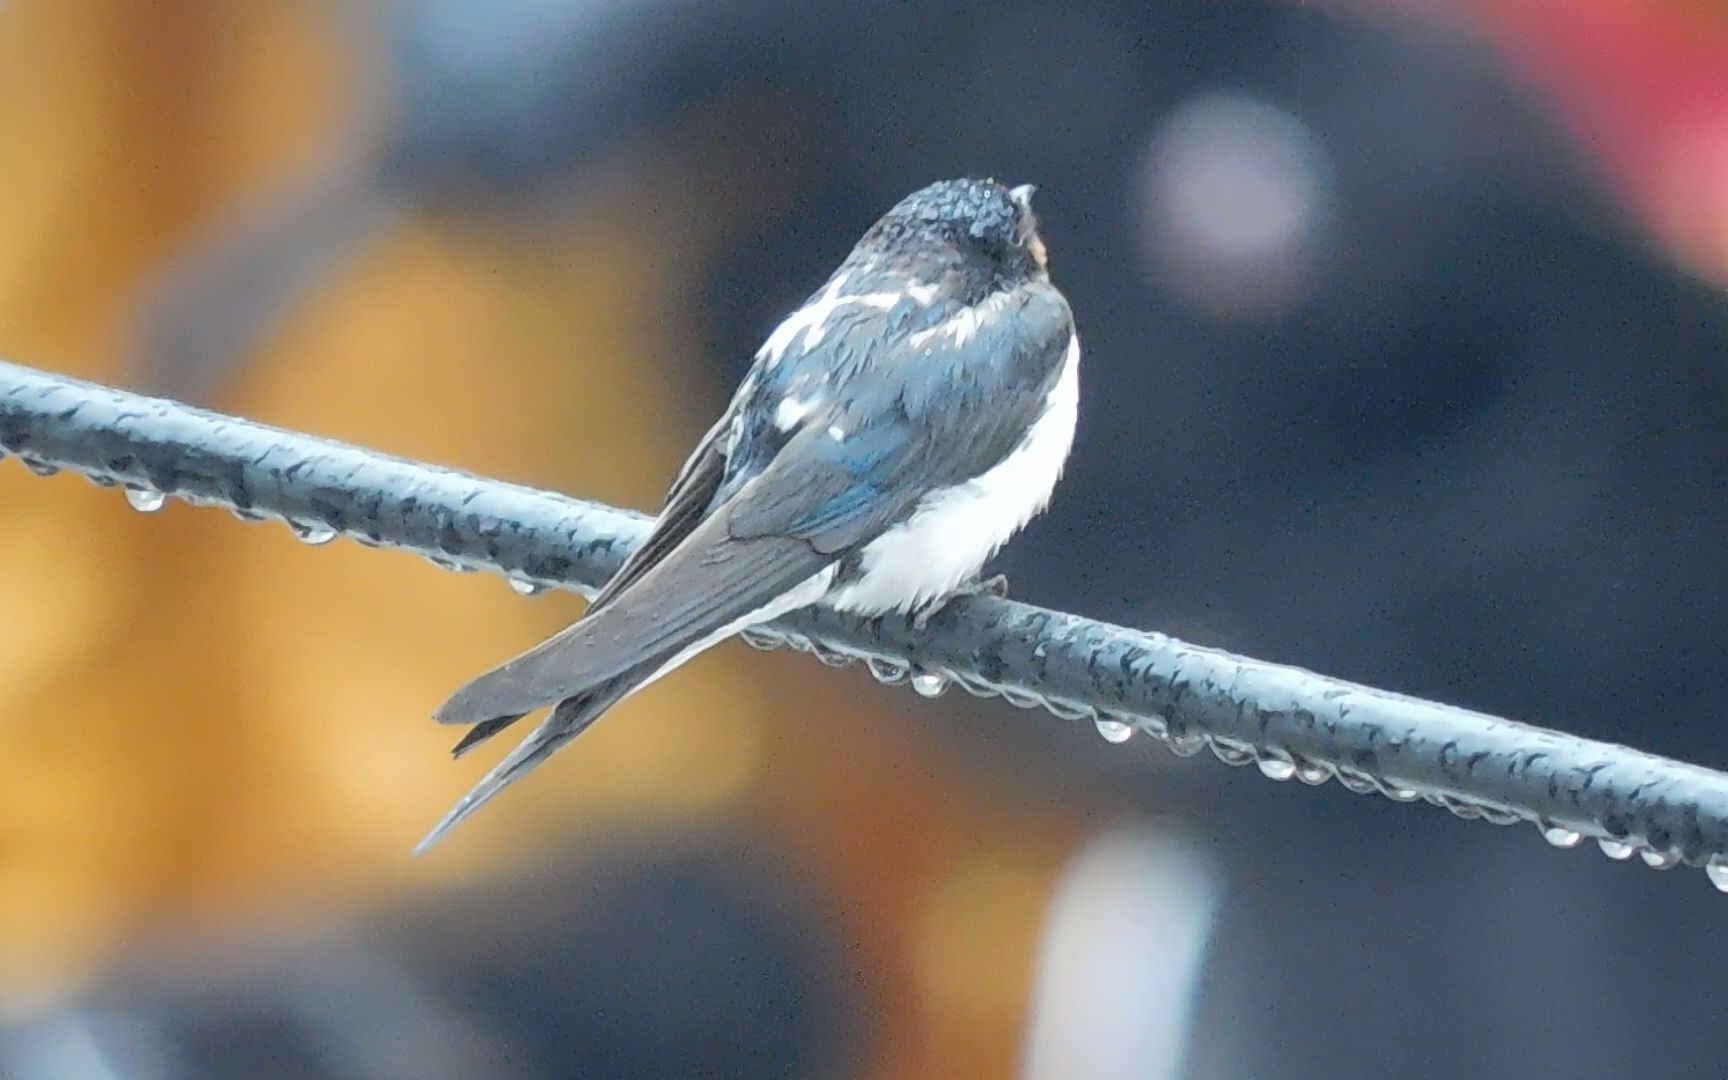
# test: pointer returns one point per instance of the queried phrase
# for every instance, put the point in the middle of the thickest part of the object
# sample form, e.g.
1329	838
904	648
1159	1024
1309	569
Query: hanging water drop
1461	808
1114	731
1562	837
830	657
1274	765
1313	772
526	586
1717	871
1186	743
309	533
886	671
1618	850
1231	752
144	500
1497	815
1355	781
1400	794
40	467
1659	860
930	684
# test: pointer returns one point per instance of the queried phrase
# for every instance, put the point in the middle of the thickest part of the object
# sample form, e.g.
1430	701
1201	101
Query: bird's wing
708	581
946	415
691	495
955	407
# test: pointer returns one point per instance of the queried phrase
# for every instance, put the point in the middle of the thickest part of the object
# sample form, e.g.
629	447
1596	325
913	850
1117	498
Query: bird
889	437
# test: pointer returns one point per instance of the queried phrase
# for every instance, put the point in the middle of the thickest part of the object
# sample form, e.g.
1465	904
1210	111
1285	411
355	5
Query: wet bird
890	437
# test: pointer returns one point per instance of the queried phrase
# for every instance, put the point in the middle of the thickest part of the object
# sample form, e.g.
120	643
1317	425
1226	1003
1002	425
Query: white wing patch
811	321
963	325
922	293
791	412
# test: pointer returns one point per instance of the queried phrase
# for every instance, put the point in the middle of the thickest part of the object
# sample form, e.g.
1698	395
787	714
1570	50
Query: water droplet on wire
1618	850
1276	765
40	467
526	586
1231	752
1186	743
313	534
1717	871
144	500
930	684
1313	772
887	671
1659	860
1114	731
1355	781
1562	837
1462	808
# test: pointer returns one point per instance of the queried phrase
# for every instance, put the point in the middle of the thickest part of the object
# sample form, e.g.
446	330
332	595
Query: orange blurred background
209	721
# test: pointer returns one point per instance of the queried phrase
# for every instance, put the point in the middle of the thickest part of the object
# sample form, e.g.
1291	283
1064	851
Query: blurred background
1407	361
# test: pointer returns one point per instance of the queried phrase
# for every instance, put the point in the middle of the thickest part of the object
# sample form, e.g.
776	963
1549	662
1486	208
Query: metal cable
1292	724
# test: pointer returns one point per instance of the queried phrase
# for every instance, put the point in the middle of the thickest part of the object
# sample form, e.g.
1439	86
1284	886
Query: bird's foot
996	585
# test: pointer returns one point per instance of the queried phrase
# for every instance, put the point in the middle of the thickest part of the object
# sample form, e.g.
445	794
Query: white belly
954	531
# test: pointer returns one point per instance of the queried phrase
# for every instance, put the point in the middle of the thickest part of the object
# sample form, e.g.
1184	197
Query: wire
1292	724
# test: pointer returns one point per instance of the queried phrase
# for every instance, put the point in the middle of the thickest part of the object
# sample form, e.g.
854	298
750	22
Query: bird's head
987	226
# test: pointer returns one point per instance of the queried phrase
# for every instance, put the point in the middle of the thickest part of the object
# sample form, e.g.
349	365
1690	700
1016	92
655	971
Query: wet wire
1291	724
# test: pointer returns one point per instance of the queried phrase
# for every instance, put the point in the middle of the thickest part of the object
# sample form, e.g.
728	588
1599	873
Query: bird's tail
482	731
700	594
570	718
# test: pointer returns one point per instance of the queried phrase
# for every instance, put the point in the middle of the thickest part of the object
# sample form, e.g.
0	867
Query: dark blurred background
1405	362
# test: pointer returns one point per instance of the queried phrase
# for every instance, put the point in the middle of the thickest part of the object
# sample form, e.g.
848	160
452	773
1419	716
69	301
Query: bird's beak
1022	196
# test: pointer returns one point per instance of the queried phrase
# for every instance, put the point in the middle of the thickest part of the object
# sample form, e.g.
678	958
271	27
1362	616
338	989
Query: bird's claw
996	585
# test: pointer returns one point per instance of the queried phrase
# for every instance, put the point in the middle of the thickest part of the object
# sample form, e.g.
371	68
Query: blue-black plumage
892	434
